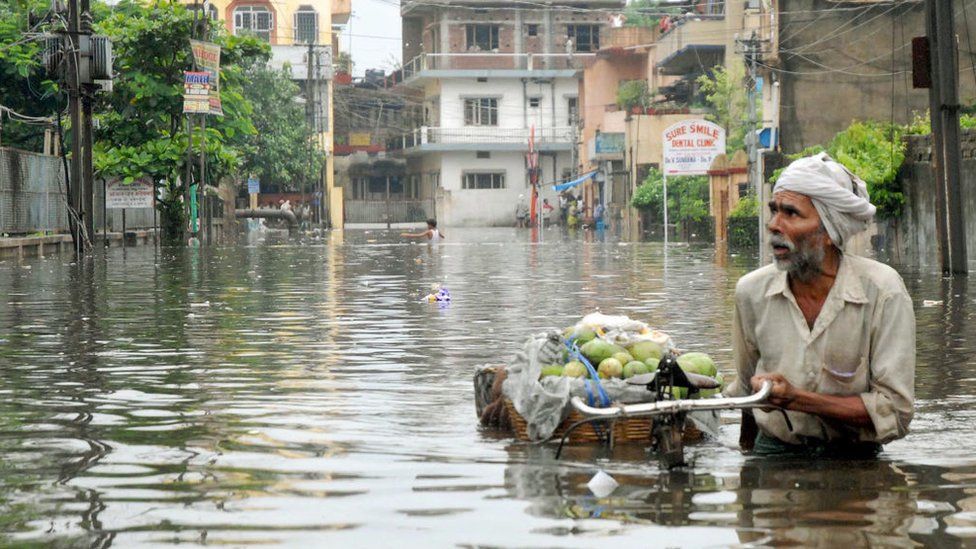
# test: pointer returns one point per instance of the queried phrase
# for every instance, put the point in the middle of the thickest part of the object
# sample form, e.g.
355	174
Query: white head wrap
840	197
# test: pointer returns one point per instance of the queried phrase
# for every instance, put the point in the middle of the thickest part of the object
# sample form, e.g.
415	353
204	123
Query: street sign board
196	92
207	57
253	186
690	146
138	194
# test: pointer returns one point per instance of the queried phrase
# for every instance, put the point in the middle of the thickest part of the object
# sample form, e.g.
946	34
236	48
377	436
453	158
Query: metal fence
394	211
32	195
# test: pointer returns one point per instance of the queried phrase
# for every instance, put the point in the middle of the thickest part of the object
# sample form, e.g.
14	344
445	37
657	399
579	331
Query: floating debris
602	484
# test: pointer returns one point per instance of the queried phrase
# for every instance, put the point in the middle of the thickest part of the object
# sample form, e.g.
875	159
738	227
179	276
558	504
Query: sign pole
665	210
105	213
689	148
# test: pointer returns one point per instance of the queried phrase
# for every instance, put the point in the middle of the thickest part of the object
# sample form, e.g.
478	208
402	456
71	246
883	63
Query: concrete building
625	144
296	28
861	53
489	77
375	185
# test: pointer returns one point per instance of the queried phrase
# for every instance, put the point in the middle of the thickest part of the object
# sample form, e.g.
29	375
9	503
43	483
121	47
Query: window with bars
483	180
586	38
256	20
481	37
482	111
306	25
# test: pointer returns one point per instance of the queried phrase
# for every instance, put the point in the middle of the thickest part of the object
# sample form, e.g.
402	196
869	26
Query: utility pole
202	30
935	118
310	112
752	49
80	200
87	140
944	104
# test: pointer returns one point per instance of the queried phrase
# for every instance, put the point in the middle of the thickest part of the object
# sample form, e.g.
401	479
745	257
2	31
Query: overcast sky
372	35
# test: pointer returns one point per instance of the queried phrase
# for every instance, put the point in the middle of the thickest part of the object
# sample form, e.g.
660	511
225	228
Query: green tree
141	132
281	153
24	86
728	100
748	206
687	196
633	93
647	13
343	63
874	151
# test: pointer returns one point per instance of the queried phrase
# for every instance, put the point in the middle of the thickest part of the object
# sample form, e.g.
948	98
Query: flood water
298	393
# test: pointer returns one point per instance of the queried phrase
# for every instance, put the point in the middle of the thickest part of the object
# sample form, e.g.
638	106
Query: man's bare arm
846	409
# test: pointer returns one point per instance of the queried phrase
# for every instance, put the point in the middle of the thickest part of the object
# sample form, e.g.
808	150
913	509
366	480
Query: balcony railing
481	135
487	61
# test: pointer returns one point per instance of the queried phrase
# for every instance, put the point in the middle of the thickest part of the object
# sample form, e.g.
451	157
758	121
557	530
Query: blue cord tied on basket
594	380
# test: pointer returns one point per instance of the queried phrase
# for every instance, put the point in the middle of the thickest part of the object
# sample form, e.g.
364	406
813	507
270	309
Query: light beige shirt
862	343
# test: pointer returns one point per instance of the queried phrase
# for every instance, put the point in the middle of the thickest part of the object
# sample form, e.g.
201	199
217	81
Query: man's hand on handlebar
782	393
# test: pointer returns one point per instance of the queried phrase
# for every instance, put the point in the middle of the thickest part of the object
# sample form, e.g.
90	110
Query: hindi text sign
207	57
690	146
138	194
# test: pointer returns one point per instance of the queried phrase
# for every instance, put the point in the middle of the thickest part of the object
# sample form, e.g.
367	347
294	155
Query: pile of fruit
640	355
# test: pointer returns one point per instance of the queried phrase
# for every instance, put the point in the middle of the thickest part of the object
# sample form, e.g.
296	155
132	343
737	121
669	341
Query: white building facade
491	79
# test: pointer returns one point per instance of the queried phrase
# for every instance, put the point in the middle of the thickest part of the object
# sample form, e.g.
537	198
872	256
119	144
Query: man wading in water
833	333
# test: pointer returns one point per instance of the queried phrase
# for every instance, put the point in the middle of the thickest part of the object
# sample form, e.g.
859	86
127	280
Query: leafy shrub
874	152
687	196
748	206
633	93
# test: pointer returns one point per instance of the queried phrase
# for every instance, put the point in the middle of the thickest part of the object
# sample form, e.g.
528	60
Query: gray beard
806	260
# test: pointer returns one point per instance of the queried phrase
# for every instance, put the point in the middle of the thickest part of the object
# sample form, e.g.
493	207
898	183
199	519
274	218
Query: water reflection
300	394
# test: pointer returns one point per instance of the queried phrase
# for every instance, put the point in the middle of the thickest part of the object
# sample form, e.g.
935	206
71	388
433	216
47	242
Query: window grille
306	26
255	20
482	37
483	180
586	38
481	112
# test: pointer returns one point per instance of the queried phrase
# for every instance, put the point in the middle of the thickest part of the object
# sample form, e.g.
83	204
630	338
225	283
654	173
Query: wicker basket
619	431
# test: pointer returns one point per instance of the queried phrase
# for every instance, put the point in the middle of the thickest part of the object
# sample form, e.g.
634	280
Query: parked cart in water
551	391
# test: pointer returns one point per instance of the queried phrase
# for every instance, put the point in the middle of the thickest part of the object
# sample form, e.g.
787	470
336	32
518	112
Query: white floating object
204	304
931	303
602	484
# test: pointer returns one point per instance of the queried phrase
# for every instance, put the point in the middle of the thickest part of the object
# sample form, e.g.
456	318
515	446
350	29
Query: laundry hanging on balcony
575	182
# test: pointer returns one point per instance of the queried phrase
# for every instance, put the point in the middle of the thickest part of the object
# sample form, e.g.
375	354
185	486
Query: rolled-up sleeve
890	400
744	355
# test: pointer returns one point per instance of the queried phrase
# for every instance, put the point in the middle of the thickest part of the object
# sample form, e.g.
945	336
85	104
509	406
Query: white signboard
138	194
690	146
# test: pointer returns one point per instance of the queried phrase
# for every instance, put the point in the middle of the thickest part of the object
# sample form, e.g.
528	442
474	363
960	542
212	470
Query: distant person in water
431	234
521	213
